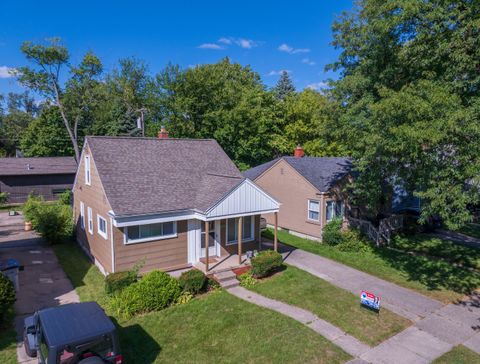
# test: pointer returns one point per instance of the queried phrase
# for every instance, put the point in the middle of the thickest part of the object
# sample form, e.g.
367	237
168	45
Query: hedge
7	296
193	281
116	282
266	263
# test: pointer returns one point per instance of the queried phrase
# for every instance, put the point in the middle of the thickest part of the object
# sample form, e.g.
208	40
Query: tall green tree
224	101
50	63
284	86
409	96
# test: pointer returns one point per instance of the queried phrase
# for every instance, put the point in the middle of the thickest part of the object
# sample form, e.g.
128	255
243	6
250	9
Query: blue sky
268	35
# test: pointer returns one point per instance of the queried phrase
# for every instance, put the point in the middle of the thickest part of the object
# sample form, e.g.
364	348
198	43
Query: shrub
31	209
155	291
185	297
54	222
116	282
65	198
193	281
7	296
266	263
332	234
247	280
3	198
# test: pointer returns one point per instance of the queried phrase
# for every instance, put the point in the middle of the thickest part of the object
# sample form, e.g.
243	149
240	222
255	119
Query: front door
212	240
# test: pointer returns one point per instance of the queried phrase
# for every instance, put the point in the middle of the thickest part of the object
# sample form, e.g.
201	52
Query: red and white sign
370	300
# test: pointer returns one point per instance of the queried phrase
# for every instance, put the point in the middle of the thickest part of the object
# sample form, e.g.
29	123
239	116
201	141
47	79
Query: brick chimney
163	133
298	152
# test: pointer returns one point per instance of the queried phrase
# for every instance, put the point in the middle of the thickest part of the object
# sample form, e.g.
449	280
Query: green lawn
214	328
471	230
335	305
8	342
459	355
438	279
436	247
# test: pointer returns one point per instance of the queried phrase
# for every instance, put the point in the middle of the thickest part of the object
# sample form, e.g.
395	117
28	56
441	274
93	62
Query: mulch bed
239	271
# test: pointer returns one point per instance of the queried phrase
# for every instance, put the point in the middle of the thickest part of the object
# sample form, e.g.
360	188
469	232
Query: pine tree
284	86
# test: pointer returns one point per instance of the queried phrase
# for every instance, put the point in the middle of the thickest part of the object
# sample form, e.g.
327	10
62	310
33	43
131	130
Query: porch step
227	279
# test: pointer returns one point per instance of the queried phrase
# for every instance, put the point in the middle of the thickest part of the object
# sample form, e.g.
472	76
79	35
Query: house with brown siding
166	203
308	188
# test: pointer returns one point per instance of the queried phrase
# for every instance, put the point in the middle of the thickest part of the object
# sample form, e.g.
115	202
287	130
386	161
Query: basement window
149	232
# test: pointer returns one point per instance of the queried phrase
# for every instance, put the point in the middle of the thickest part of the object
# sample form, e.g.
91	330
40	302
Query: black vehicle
77	333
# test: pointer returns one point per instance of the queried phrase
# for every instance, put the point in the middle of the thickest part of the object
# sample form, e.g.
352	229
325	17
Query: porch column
207	236
239	230
275	238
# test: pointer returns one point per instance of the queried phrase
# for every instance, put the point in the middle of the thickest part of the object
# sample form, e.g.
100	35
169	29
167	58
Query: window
87	170
102	226
247	230
82	215
148	232
314	210
335	209
90	220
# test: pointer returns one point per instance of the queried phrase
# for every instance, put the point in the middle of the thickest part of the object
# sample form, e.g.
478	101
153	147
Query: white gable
246	199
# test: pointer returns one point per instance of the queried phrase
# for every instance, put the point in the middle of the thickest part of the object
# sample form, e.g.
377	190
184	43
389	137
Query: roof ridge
147	138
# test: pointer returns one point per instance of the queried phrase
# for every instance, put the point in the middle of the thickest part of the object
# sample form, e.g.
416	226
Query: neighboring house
155	200
43	176
308	189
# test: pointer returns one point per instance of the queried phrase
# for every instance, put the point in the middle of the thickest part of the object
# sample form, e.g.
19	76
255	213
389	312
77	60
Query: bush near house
3	198
53	221
116	282
265	263
193	281
7	296
155	291
332	234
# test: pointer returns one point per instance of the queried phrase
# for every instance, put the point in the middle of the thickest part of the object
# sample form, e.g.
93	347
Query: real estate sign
370	300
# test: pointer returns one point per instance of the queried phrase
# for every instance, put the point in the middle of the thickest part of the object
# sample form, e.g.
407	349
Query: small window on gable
88	177
314	210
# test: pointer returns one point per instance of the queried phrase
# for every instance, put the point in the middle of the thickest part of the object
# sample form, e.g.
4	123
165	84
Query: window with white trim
82	215
90	220
314	210
88	177
335	209
247	230
102	226
149	232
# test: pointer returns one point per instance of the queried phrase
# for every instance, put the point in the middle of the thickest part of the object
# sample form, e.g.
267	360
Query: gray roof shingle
150	175
321	172
38	165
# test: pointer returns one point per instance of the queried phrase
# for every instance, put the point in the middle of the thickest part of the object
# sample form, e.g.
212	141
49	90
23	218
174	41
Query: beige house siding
92	196
165	254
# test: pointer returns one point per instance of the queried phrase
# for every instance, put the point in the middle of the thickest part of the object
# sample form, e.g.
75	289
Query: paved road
43	282
437	329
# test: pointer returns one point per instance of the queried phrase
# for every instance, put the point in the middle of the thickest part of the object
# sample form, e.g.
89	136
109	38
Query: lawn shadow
136	344
435	274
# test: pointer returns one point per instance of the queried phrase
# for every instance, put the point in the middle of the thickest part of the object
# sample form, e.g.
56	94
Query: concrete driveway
43	282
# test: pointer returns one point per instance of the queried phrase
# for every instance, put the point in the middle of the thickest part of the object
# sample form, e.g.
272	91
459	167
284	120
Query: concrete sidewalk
347	342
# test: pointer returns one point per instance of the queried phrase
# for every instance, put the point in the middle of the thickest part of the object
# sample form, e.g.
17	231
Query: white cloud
210	46
246	43
308	61
225	40
5	72
317	86
288	49
277	73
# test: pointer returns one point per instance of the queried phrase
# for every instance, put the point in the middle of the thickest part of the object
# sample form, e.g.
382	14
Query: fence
381	234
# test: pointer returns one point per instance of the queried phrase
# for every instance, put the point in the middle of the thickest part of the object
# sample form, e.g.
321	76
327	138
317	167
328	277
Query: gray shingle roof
150	175
35	166
321	172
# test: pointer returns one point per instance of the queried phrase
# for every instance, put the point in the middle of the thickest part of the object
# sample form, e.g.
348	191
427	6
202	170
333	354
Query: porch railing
381	234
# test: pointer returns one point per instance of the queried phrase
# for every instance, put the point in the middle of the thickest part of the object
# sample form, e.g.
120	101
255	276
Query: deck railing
381	234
